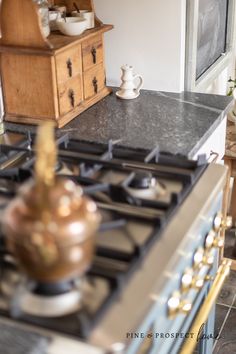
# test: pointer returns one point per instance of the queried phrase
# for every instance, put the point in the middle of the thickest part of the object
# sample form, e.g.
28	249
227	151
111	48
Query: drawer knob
94	55
69	67
72	97
95	84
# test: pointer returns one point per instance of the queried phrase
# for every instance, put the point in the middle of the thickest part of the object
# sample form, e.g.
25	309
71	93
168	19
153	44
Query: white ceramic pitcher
128	90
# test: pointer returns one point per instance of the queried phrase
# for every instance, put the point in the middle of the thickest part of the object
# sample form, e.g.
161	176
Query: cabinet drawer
92	52
68	64
70	94
94	81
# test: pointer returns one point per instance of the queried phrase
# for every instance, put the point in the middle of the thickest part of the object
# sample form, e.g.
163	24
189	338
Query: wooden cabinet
53	78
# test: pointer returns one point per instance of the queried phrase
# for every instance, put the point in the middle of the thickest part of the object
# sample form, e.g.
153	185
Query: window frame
206	79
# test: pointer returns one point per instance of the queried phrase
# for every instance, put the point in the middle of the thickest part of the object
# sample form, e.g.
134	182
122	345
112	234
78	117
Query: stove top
137	193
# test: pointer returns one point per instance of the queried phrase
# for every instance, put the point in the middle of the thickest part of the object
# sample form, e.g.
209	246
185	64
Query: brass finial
46	155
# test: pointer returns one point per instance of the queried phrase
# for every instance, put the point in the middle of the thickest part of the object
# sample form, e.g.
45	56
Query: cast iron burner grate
130	224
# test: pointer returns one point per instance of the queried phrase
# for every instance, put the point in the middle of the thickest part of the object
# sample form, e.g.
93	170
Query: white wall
148	34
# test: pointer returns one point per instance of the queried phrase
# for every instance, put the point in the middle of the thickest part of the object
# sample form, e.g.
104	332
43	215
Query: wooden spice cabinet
54	78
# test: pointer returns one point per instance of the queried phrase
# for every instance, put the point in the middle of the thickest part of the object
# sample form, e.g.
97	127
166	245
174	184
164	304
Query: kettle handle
138	88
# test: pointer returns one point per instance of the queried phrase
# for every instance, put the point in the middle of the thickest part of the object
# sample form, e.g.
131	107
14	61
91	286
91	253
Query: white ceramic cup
87	15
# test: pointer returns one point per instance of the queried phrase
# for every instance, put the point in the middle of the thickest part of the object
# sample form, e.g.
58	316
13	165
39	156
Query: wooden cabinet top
21	27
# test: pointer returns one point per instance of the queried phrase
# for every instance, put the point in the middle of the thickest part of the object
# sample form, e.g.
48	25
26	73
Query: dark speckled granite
178	123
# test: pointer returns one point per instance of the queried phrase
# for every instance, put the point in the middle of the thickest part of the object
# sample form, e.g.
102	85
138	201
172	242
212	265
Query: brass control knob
198	283
178	306
227	223
208	258
212	240
217	221
221	222
189	281
198	257
219	242
202	257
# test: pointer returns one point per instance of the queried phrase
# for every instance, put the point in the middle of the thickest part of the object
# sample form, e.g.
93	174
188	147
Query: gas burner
63	168
142	180
145	186
48	300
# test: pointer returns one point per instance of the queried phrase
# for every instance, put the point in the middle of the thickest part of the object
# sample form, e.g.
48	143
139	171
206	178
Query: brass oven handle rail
202	315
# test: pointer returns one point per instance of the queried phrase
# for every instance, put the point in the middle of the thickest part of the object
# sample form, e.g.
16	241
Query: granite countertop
177	122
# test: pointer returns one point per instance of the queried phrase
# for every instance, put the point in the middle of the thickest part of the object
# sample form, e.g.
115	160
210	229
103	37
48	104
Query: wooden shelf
59	42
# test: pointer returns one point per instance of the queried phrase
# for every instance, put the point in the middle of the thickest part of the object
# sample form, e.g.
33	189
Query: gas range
158	211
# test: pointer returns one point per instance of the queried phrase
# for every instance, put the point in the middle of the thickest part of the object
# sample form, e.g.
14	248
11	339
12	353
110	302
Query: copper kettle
50	225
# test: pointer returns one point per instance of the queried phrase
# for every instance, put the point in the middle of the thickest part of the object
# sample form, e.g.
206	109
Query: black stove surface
137	193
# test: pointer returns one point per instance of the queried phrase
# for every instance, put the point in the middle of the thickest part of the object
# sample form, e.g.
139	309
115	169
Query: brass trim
13	161
202	315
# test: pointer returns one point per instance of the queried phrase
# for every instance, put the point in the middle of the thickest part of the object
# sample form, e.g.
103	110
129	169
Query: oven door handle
205	309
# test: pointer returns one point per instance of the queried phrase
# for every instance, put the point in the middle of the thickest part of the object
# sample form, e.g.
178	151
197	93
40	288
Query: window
209	40
212	33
